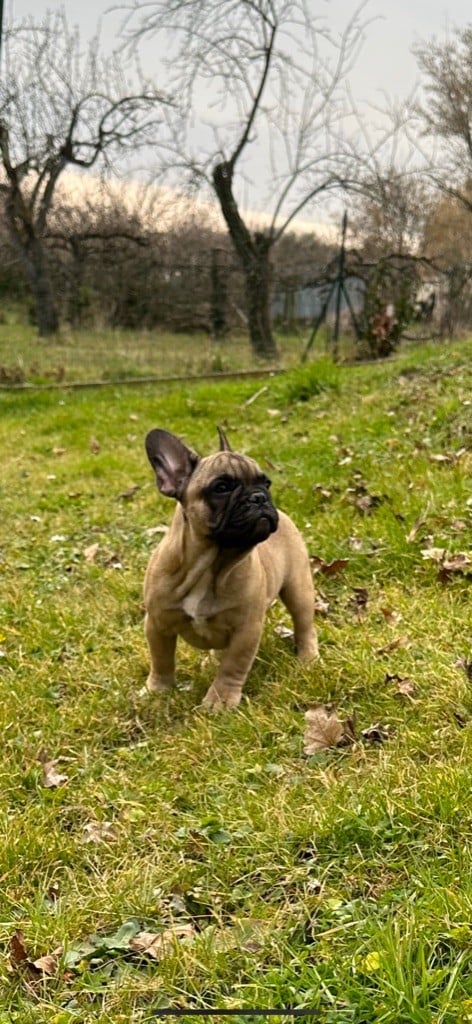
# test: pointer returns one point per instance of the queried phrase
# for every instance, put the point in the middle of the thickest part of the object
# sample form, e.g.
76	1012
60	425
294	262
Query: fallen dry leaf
284	632
433	554
158	945
458	562
51	778
18	953
37	969
98	831
130	492
59	451
90	552
328	568
358	601
404	686
376	733
46	964
391	616
323	492
466	664
440	457
400	641
112	562
417	526
324	729
94	446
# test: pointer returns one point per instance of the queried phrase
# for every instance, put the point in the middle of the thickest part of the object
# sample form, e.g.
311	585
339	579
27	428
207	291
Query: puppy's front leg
162	650
235	664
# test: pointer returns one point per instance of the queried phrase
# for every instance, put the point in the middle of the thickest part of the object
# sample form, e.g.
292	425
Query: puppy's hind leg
299	599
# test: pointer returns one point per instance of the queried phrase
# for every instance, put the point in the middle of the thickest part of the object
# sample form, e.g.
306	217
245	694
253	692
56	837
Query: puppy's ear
172	462
224	445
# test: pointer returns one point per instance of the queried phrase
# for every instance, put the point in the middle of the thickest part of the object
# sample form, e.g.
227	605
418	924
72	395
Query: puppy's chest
202	605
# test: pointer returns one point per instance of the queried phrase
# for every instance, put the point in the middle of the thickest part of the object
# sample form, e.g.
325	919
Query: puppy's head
224	496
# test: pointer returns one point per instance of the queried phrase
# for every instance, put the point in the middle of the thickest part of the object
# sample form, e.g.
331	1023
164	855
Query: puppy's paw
217	699
159	684
307	649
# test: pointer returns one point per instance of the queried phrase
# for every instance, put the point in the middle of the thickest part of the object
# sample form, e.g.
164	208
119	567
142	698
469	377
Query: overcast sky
385	65
386	62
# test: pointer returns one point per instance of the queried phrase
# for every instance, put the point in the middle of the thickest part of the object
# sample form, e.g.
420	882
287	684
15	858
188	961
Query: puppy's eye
223	486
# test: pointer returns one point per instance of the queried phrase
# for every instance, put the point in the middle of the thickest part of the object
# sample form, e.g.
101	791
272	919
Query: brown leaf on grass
399	641
321	606
47	964
390	615
448	458
417	526
90	552
466	664
433	554
404	686
112	562
323	492
129	492
284	632
159	944
440	457
367	502
376	733
94	446
98	831
458	525
59	451
18	954
361	497
51	778
358	601
328	568
324	729
37	969
458	562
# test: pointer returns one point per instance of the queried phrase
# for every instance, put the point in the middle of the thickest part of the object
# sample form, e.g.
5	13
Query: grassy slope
355	864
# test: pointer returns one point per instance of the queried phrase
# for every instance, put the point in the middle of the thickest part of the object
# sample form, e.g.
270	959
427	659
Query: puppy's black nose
258	498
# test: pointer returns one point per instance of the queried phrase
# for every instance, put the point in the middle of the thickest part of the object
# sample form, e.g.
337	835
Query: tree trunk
257	274
254	257
38	273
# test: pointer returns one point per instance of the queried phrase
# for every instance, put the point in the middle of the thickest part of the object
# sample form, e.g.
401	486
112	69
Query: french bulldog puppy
227	555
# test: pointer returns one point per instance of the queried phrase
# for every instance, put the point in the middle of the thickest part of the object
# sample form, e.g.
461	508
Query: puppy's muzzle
249	519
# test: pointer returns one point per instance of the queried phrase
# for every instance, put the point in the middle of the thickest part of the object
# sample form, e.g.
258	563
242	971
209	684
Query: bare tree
390	214
267	76
446	112
61	107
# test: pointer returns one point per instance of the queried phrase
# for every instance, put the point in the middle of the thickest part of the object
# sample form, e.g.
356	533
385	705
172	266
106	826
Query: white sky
386	62
385	65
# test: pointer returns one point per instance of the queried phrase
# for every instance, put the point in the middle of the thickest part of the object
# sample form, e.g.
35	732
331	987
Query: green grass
114	355
341	882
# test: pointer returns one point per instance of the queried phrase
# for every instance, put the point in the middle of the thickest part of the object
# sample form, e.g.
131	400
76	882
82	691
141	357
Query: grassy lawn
340	881
113	355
